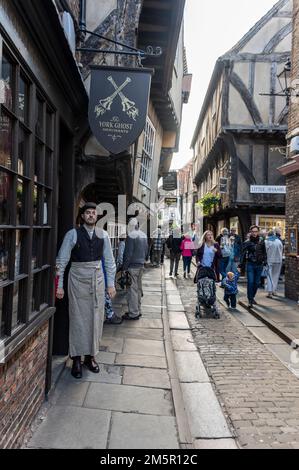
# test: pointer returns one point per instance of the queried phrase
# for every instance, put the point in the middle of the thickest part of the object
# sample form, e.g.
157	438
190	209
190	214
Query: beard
90	222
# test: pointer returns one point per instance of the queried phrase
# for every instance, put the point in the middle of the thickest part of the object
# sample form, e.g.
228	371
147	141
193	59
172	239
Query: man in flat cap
86	247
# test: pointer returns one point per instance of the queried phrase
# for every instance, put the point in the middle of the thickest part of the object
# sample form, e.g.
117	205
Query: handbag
265	271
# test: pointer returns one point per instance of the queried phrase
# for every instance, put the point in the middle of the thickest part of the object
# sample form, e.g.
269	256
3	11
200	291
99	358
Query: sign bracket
133	51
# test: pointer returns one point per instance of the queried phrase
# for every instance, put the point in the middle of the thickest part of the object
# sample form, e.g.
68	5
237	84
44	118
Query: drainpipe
82	20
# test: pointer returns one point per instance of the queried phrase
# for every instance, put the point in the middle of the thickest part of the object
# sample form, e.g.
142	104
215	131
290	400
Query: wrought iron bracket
133	51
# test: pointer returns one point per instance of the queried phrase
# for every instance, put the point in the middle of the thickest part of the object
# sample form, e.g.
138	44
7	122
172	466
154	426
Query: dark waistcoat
87	249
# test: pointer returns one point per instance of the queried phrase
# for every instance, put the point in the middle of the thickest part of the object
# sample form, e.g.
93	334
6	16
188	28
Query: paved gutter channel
200	417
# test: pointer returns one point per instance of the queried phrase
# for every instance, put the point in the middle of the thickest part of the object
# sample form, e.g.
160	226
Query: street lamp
284	79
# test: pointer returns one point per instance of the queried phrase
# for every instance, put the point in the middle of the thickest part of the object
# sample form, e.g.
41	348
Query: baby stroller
206	293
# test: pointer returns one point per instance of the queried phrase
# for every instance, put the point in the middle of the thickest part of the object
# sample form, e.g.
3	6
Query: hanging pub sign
171	201
170	181
118	105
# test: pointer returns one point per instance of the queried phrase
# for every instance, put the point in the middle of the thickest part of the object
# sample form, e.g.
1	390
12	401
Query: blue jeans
254	272
223	267
230	299
187	263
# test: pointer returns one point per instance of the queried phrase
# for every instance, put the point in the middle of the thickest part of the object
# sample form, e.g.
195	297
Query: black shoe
228	304
76	370
250	304
127	316
114	320
91	364
254	302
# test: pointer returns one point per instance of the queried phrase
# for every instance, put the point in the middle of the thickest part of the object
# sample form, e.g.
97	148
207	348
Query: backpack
206	292
226	250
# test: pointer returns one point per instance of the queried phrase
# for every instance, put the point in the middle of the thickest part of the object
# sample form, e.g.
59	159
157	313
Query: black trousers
231	300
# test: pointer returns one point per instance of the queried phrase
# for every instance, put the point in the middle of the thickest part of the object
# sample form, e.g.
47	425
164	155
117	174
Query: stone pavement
279	313
153	391
129	404
258	394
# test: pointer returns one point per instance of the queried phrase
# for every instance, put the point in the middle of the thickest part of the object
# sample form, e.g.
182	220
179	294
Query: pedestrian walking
157	247
254	254
231	289
274	250
110	316
226	252
187	247
237	246
209	253
86	247
173	243
120	252
134	258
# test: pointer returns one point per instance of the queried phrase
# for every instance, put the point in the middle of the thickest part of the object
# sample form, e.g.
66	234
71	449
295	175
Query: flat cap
88	205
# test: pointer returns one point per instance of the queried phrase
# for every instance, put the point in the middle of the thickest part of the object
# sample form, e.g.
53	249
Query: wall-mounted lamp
284	79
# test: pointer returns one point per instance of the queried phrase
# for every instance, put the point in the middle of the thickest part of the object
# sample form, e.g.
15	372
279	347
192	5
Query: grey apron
86	290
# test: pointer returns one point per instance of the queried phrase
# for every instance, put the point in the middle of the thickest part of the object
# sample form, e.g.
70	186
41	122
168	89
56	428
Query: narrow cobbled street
155	391
258	394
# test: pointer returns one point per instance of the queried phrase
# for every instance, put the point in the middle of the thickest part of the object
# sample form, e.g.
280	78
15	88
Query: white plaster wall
261	38
285	45
177	77
238	113
288	8
97	11
242	70
262	84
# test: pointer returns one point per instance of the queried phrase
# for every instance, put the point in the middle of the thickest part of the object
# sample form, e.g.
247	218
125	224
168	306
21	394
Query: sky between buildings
212	27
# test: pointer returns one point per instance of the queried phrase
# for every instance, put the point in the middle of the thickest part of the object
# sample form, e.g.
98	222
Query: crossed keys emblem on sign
128	106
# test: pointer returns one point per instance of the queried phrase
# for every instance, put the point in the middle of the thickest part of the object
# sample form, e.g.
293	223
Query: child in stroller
206	292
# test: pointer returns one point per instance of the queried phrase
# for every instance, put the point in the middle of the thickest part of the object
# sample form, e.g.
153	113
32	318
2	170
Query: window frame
20	282
147	155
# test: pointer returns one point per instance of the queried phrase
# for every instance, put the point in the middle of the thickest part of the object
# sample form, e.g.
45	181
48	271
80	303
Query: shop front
269	222
41	105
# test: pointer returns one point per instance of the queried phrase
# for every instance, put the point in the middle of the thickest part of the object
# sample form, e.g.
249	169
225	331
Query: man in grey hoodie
134	258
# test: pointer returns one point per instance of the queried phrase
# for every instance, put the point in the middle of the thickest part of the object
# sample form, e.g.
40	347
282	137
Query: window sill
142	183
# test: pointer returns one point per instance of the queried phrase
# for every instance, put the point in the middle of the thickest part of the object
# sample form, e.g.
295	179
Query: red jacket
187	246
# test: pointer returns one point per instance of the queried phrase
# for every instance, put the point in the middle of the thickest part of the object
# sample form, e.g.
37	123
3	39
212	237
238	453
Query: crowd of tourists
94	272
260	256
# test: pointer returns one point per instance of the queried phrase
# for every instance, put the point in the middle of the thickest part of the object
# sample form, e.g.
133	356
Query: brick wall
294	109
292	218
292	199
75	8
22	389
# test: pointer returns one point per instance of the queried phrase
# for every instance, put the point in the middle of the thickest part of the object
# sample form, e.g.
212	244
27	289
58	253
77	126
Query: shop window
38	162
23	100
39	123
270	222
6	188
26	195
5	140
7	81
21	205
23	152
48	167
5	239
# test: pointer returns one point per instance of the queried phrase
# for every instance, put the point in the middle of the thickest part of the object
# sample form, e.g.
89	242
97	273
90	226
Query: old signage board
170	181
171	201
118	105
255	189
